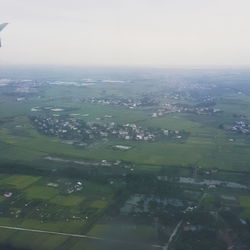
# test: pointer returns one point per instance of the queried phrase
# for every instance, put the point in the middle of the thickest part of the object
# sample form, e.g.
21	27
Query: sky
158	33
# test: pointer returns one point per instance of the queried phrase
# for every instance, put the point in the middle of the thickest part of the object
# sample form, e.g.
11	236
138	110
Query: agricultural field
74	153
208	146
60	205
245	204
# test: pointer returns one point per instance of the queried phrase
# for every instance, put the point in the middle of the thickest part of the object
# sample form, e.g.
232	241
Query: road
166	247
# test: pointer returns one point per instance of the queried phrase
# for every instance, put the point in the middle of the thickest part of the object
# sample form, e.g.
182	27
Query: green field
70	200
99	204
41	172
40	192
245	204
20	181
207	145
245	201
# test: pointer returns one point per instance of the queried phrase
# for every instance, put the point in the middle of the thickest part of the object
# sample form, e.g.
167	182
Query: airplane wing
2	26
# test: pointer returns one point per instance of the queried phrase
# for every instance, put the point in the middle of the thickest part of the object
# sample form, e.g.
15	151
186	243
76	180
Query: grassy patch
245	201
246	213
20	181
99	204
40	192
67	200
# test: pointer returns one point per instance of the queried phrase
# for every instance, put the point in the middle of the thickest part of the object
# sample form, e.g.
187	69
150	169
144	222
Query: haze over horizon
131	33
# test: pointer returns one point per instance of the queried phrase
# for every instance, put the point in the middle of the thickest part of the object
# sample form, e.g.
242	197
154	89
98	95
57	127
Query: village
130	103
241	127
163	108
168	108
69	128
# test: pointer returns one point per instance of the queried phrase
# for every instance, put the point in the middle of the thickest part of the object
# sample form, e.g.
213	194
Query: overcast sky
126	32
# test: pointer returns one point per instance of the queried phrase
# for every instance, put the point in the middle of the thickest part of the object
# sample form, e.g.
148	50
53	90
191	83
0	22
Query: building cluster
68	187
75	187
241	127
69	128
168	108
131	103
133	132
